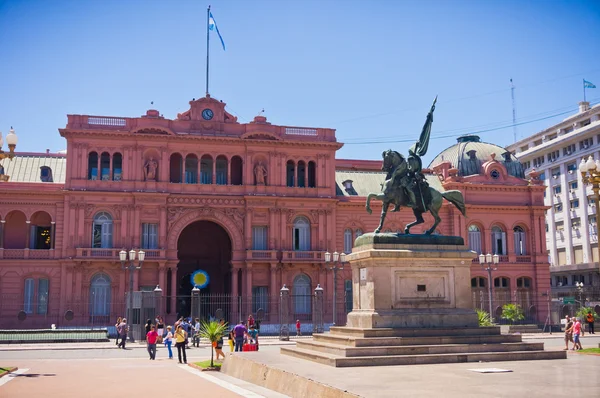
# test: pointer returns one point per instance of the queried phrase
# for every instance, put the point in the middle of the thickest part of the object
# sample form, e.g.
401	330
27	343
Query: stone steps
349	352
414	332
352	341
390	360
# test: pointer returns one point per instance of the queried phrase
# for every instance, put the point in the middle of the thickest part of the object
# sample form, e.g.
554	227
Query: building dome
469	153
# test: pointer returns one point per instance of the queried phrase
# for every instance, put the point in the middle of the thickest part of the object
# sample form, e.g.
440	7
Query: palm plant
512	313
212	331
484	318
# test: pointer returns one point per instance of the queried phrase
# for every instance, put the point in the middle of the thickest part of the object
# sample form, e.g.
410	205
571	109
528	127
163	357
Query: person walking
180	342
196	340
239	332
568	332
148	325
151	338
169	341
122	329
298	332
231	340
590	321
119	319
577	332
160	329
253	332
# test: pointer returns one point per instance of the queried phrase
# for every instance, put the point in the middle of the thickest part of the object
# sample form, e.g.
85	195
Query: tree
212	331
484	318
583	311
512	313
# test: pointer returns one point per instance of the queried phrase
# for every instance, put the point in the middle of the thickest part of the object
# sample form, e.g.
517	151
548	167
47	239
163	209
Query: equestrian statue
405	185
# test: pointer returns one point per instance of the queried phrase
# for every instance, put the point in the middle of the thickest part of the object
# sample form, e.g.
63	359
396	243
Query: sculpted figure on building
150	169
260	173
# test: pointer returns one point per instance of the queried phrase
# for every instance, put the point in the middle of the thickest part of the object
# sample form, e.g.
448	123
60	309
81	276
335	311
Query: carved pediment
260	136
153	131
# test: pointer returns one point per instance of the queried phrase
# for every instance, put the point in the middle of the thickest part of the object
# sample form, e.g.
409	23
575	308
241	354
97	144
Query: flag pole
207	45
583	90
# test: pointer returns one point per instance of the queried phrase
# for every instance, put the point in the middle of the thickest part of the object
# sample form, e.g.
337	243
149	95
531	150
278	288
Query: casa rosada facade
254	205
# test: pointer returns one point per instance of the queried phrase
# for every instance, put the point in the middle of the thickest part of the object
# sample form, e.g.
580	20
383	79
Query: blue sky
368	69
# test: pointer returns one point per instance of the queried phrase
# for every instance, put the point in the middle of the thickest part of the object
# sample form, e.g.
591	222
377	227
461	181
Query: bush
582	313
512	313
484	318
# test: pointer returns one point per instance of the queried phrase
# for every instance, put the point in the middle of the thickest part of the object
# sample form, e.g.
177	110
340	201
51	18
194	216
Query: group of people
573	332
244	334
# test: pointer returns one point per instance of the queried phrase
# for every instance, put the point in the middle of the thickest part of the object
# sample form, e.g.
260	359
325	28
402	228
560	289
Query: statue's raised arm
420	147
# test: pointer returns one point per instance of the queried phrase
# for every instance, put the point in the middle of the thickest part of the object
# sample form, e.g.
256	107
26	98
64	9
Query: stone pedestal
408	281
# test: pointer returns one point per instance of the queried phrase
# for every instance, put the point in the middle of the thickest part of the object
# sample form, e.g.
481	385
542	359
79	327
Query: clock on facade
495	174
207	114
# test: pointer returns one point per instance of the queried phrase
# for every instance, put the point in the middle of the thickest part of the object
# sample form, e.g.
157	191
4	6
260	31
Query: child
298	333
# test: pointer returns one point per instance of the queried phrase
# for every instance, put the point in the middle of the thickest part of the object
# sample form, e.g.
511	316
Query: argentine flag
212	25
586	84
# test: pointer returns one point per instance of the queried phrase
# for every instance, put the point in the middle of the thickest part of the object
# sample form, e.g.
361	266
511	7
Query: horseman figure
405	185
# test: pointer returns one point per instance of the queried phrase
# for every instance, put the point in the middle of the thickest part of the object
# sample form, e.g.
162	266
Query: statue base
408	281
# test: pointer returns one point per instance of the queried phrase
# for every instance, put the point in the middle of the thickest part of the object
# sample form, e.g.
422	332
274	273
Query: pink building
254	205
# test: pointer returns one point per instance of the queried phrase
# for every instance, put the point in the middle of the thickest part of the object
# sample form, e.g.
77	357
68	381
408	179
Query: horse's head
391	160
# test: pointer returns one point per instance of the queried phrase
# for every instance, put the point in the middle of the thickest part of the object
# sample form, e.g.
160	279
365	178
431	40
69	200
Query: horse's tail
456	198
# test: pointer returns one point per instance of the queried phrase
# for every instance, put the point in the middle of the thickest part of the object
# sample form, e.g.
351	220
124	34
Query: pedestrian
185	324
253	332
568	331
180	342
298	332
239	332
590	321
151	338
219	347
577	332
231	340
148	326
122	330
196	340
169	341
160	329
119	319
250	322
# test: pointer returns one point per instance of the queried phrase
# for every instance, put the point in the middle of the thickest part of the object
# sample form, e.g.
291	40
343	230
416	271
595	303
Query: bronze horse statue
394	191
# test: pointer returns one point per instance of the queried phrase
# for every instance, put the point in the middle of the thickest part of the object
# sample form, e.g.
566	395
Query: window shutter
42	297
153	236
503	237
347	241
28	295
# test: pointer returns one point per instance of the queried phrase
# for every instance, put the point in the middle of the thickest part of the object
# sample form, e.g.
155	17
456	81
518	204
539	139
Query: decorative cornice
194	200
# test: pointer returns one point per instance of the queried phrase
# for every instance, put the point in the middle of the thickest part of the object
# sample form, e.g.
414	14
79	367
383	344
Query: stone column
282	237
296	174
136	226
273	288
162	275
52	235
318	310
248	229
284	313
28	236
84	239
2	222
162	237
174	290
229	171
235	297
214	170
272	230
249	287
124	224
110	167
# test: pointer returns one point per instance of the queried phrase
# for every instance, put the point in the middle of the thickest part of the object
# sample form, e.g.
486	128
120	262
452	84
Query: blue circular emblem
200	279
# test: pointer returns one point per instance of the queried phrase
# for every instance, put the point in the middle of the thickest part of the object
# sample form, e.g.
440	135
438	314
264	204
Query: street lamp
335	264
579	286
131	267
11	140
590	174
489	263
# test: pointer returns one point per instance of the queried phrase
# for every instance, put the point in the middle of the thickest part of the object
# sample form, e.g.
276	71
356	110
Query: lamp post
131	267
590	174
579	287
335	263
489	263
11	141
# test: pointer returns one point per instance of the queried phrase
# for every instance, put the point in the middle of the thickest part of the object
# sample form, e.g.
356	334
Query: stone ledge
401	239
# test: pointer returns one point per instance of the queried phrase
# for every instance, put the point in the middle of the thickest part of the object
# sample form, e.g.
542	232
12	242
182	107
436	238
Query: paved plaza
84	372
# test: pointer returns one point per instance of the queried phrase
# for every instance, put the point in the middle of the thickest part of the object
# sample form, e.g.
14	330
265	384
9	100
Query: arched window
191	169
312	174
290	170
478	282
236	171
105	166
175	168
301	174
221	166
348	295
93	166
301	234
498	241
524	283
46	174
520	243
348	241
100	295
102	231
502	283
206	169
358	233
302	295
474	239
117	167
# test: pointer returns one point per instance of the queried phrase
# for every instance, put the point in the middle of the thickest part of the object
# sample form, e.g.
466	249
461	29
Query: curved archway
202	245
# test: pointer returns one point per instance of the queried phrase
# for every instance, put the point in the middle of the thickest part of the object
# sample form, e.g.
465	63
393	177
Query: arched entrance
202	245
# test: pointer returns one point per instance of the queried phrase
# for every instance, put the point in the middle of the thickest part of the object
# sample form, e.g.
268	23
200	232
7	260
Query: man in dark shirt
239	331
568	332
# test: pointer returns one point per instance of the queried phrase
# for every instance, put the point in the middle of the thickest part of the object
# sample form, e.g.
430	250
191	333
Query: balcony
261	255
98	253
302	256
25	254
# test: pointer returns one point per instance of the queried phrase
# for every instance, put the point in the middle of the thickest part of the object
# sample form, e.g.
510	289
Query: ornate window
100	295
312	173
191	169
32	300
301	234
206	168
46	174
498	241
117	167
520	243
93	166
290	170
348	241
259	238
221	166
302	294
301	174
175	168
105	166
149	236
475	239
102	231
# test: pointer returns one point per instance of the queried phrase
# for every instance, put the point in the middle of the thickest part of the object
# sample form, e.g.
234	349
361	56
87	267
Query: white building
572	237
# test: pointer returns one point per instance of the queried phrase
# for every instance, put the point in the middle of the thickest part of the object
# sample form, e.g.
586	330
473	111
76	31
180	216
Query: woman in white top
169	341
